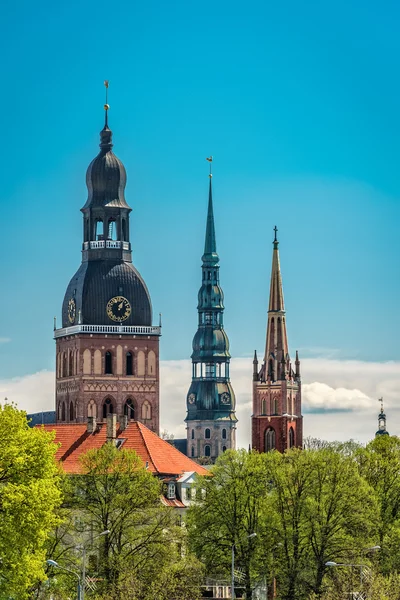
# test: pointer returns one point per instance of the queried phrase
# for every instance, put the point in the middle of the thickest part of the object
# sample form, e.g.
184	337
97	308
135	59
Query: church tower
277	422
211	419
107	351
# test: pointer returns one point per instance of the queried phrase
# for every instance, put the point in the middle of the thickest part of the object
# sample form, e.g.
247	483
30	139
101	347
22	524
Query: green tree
29	496
228	509
380	466
324	511
116	492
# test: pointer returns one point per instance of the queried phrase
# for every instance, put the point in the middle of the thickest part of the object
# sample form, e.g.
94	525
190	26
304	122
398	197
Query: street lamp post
83	546
53	563
332	563
252	535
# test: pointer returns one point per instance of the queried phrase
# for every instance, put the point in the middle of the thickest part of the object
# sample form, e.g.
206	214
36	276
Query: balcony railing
105	244
112	329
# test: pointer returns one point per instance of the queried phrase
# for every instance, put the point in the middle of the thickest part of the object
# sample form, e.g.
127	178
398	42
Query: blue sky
299	105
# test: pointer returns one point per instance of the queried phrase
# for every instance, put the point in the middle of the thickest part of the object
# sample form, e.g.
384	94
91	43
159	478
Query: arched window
192	434
71	411
87	362
224	434
269	439
275	405
151	363
63	412
129	409
92	409
124	230
146	410
207	434
108	408
192	452
207	450
141	359
263	407
223	448
291	437
71	363
108	364
271	373
99	230
129	363
64	365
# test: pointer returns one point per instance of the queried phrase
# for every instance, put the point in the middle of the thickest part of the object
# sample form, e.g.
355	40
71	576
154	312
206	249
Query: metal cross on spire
106	105
276	231
210	160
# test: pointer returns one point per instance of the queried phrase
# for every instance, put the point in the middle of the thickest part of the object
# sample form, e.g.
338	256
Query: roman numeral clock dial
118	309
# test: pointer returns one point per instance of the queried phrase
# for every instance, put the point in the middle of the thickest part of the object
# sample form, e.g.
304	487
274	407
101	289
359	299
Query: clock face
192	398
118	309
225	398
71	310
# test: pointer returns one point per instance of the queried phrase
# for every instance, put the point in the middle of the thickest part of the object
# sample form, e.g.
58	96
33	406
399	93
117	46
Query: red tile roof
175	503
161	457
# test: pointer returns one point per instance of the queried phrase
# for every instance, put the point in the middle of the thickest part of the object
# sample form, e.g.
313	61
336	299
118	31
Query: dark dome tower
107	349
211	420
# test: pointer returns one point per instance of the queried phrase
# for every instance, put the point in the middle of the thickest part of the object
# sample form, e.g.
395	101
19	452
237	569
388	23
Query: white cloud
4	340
339	397
33	393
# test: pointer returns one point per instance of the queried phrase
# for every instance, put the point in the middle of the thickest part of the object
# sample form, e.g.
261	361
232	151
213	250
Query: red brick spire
276	349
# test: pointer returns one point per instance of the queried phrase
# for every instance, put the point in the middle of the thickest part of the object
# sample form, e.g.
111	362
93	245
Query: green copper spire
211	418
210	255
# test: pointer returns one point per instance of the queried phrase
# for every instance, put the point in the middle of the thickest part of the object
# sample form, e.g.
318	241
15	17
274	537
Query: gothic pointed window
71	364
146	411
108	364
291	437
263	407
129	363
270	439
192	434
108	408
71	411
129	409
92	409
207	450
63	412
207	434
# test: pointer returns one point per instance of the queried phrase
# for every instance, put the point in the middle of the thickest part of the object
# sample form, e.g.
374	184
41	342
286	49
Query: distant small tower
381	421
277	422
210	401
